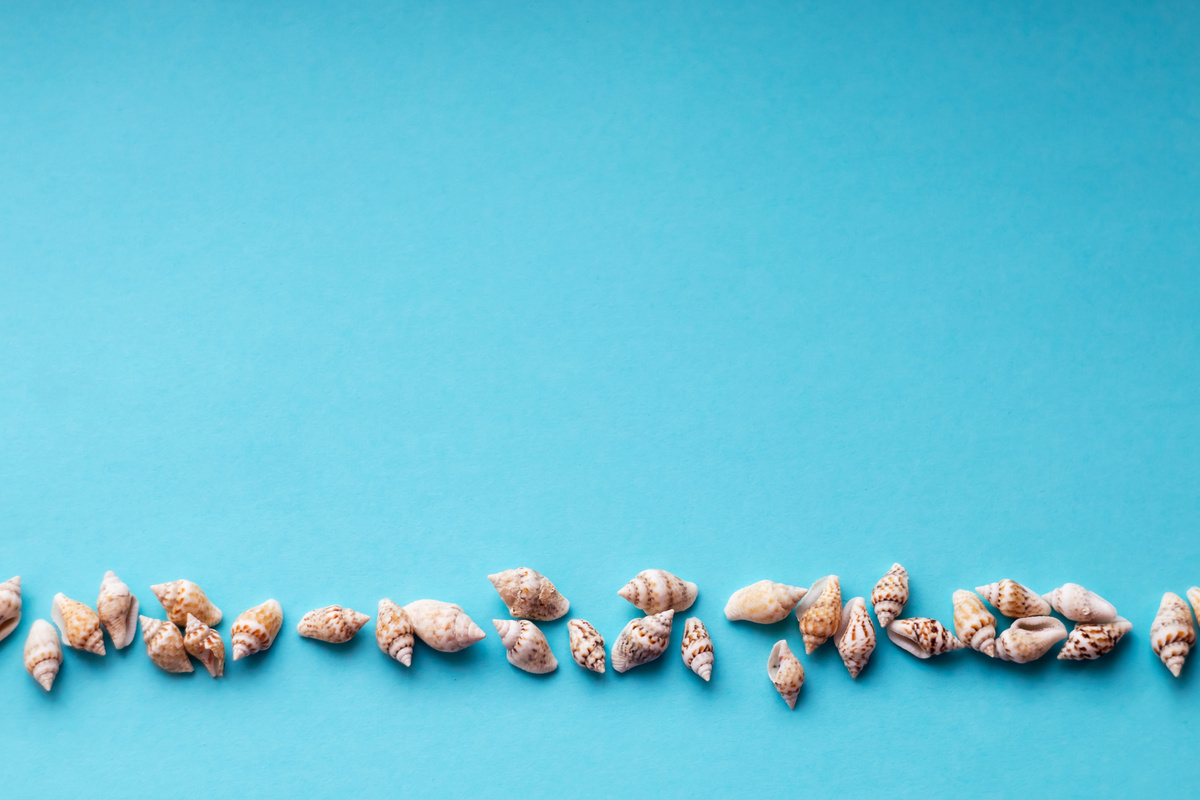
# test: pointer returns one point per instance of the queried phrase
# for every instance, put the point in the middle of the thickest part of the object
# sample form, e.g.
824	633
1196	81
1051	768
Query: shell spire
10	606
526	646
529	594
117	608
43	654
923	637
786	672
205	645
1014	600
164	645
1089	641
1172	635
973	623
764	602
80	626
394	632
1079	605
656	590
820	612
255	629
890	595
587	645
1029	638
180	598
697	648
332	624
443	626
642	640
855	636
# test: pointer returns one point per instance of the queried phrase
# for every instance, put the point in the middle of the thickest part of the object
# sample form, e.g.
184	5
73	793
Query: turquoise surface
330	303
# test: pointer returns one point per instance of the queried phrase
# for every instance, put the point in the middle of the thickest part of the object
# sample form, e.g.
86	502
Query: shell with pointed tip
855	636
973	623
443	626
1091	640
923	637
164	645
80	626
180	598
526	646
529	594
10	606
43	654
1079	605
255	629
642	640
118	610
1029	638
820	612
332	624
764	602
587	645
697	648
890	595
1014	600
394	632
1172	635
1193	596
786	672
656	590
205	645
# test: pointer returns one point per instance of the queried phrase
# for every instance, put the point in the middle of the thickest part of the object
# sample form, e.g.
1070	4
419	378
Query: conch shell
1172	635
164	645
529	594
43	654
1079	605
180	598
1014	600
10	606
443	626
786	672
255	629
890	594
656	590
587	645
394	632
973	623
1193	596
526	645
118	610
332	624
79	624
820	612
1092	640
855	637
764	602
642	640
205	645
923	637
1029	638
697	648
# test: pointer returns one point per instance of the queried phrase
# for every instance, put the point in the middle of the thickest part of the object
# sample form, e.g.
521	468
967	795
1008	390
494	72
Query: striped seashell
394	632
118	610
526	646
80	626
443	626
973	623
697	648
255	629
890	595
764	602
529	594
1029	638
656	590
164	645
587	645
923	637
1172	635
820	612
332	624
1014	600
1079	605
180	598
786	672
43	654
1089	641
855	636
205	645
642	640
10	606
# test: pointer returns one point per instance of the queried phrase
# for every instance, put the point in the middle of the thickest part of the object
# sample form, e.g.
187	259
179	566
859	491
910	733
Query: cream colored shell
1029	638
180	598
923	637
80	626
526	646
642	640
1193	596
332	624
697	648
973	623
656	590
10	606
587	645
394	632
529	594
43	654
1172	635
820	612
1091	640
443	626
855	636
205	645
117	608
1079	605
764	602
1014	600
164	645
890	595
786	672
255	629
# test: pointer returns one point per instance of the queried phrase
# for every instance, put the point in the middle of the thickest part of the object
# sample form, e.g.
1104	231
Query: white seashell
890	595
1079	605
332	624
587	645
1193	596
973	623
164	645
697	648
656	590
80	626
394	632
10	606
180	598
43	654
443	626
642	640
1014	600
820	612
764	602
923	637
1091	640
786	672
1029	638
526	645
855	636
529	594
205	645
1172	635
255	629
118	610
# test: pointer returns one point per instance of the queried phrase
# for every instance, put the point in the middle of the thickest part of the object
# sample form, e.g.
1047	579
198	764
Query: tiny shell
10	606
764	602
786	672
205	645
80	626
1079	605
1029	638
973	623
820	612
587	645
1091	640
180	598
1193	596
118	610
394	632
697	648
1172	635
526	646
529	594
1014	600
164	645
890	595
443	626
923	637
656	590
332	624
43	653
255	629
855	636
642	640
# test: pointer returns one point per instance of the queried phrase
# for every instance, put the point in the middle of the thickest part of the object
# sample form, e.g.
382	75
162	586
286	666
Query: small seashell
164	645
205	645
1193	596
764	602
332	624
118	610
890	594
587	645
1014	600
1029	638
10	606
1172	635
255	629
443	626
394	632
529	594
43	654
80	625
697	648
526	645
786	672
820	612
855	636
973	623
180	598
642	640
656	590
923	637
1079	605
1091	640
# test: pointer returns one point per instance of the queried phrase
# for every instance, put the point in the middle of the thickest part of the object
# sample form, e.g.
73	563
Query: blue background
334	303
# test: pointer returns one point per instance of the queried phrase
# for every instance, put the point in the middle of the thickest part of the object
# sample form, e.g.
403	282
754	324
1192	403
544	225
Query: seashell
764	602
80	625
1172	635
529	594
10	606
1079	605
255	629
526	645
855	636
587	645
1029	638
656	590
1014	600
786	672
1091	640
443	626
973	623
697	648
180	598
164	645
820	612
118	610
43	654
205	645
642	640
332	624
890	594
1193	596
394	632
923	637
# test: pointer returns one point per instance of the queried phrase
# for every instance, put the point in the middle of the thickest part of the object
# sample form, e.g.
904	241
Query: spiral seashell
205	645
973	623
180	598
697	648
255	629
10	606
526	645
1193	596
656	590
1014	600
923	637
529	594
890	595
786	672
332	624
1089	641
1172	635
764	602
1079	605
587	645
443	626
394	632
1029	638
642	640
820	612
164	645
43	654
855	636
118	610
80	626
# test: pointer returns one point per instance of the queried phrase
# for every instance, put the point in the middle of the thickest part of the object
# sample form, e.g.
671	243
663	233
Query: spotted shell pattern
205	645
786	672
10	606
764	602
820	612
180	598
255	629
656	590
43	654
1089	641
394	632
526	646
923	637
890	595
80	626
1029	638
855	637
164	645
332	624
529	594
1172	635
587	645
1014	600
117	608
443	626
642	640
973	623
697	648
